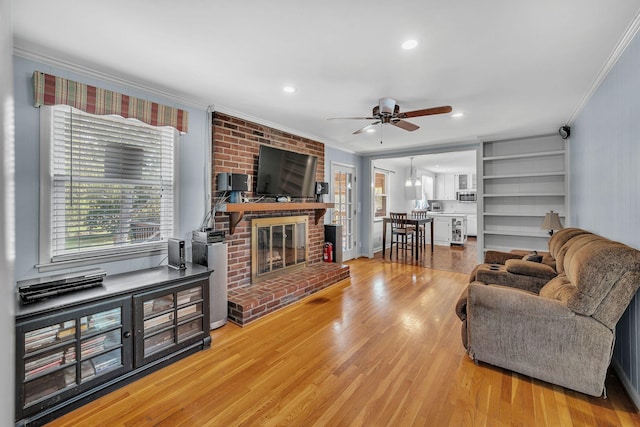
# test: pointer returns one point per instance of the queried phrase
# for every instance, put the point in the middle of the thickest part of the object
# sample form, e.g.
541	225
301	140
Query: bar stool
401	233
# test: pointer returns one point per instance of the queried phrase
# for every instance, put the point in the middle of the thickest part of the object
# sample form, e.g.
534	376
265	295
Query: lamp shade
551	221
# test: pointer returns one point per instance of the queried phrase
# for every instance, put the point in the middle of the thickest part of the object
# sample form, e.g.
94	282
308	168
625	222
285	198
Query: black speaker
322	188
564	131
233	182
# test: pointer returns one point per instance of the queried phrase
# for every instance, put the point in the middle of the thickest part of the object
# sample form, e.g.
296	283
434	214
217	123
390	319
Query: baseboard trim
626	383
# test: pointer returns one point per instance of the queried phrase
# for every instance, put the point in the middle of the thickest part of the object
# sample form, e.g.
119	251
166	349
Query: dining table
416	222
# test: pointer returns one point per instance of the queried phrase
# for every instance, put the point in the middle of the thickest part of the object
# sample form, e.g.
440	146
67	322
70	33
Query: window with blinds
110	183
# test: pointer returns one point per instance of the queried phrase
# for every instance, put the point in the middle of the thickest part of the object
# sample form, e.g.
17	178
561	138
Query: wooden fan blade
364	129
426	112
351	118
402	124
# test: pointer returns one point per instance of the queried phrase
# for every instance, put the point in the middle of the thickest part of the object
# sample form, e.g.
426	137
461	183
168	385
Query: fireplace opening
278	244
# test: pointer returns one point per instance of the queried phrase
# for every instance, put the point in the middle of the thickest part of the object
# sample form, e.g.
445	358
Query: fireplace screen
278	243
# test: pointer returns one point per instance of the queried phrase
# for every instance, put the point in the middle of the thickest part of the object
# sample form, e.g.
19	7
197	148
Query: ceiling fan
388	111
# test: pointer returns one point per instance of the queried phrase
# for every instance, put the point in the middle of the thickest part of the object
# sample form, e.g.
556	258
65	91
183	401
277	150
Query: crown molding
248	117
608	65
33	55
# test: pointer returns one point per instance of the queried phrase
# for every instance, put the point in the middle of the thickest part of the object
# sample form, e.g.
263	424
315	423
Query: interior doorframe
356	205
368	163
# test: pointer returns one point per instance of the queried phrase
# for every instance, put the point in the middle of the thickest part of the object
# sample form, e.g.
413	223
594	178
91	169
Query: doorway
345	211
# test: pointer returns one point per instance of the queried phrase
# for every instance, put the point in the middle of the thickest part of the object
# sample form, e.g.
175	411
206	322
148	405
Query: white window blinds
112	182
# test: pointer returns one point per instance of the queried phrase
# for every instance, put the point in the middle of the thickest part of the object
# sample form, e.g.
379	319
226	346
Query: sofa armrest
515	301
530	268
497	257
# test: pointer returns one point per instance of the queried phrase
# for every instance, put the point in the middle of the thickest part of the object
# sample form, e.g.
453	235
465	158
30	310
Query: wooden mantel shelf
236	210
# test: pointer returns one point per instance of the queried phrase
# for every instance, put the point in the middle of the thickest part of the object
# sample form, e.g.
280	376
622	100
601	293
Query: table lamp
551	222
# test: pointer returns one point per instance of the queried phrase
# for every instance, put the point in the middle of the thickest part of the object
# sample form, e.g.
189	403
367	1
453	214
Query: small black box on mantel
322	188
176	254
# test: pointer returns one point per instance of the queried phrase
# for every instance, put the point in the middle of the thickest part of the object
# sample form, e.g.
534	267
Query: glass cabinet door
59	355
170	318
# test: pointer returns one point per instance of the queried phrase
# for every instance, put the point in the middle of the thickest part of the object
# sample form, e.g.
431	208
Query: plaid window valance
52	90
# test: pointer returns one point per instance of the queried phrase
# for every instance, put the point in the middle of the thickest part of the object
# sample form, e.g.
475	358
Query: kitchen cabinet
442	230
445	186
75	347
465	182
472	225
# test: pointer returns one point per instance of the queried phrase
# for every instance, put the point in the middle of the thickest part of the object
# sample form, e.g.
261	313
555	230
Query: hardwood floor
380	349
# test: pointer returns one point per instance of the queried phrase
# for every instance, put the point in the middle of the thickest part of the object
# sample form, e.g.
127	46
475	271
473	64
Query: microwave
466	196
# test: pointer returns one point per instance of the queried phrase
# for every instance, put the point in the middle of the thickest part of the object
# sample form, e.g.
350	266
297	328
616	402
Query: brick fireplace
236	143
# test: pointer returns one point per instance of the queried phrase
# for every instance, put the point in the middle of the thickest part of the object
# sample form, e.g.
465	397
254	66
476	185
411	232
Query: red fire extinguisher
328	252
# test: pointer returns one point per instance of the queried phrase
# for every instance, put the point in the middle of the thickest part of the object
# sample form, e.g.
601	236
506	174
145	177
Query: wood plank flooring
379	349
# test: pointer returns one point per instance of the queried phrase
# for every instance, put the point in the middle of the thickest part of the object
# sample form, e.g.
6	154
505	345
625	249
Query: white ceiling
450	162
512	67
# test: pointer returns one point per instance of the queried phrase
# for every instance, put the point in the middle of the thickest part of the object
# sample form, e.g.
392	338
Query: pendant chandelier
412	181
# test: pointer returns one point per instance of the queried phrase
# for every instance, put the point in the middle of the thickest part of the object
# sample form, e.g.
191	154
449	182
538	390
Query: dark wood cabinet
74	348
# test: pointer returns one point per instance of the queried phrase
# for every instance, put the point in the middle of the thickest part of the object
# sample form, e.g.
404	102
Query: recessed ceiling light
456	115
289	89
371	130
409	44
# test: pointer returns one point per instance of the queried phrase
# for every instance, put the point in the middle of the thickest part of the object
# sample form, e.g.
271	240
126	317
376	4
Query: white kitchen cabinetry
442	230
522	179
472	225
465	182
445	186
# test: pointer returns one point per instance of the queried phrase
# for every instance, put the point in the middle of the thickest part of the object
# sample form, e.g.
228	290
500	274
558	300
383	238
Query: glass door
345	210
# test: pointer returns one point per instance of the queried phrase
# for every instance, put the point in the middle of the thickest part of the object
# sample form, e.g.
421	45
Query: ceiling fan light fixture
409	44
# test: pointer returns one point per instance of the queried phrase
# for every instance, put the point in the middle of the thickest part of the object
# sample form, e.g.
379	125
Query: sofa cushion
561	237
561	289
563	261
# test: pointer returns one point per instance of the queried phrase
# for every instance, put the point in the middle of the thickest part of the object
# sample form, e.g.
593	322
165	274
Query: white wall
7	231
192	177
605	184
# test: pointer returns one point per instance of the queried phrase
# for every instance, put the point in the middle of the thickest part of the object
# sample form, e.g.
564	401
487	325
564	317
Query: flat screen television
285	173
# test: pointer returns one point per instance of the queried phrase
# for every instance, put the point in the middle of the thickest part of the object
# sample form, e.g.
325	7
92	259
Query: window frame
384	194
89	257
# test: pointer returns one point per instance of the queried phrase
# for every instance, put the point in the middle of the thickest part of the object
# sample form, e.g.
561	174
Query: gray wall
605	184
7	231
191	180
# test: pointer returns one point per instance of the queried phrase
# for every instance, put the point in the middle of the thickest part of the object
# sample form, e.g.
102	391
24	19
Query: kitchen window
107	186
380	194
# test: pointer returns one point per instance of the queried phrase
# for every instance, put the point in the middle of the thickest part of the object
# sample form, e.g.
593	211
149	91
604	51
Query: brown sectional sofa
562	332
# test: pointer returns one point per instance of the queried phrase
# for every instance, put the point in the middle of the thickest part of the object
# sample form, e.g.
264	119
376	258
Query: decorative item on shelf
413	185
551	222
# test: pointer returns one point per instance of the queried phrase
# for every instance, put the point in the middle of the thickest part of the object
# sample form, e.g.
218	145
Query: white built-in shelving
522	179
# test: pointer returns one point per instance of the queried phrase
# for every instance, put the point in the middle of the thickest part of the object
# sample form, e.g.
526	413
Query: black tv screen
285	173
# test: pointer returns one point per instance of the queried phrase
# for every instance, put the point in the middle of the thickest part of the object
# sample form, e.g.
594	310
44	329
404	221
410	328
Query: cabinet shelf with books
72	348
170	318
58	352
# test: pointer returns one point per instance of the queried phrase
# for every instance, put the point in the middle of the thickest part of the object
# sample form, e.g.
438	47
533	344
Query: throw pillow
533	256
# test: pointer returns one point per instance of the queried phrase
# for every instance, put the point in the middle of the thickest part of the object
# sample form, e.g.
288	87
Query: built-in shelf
525	155
524	195
519	214
541	233
522	179
525	175
236	210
